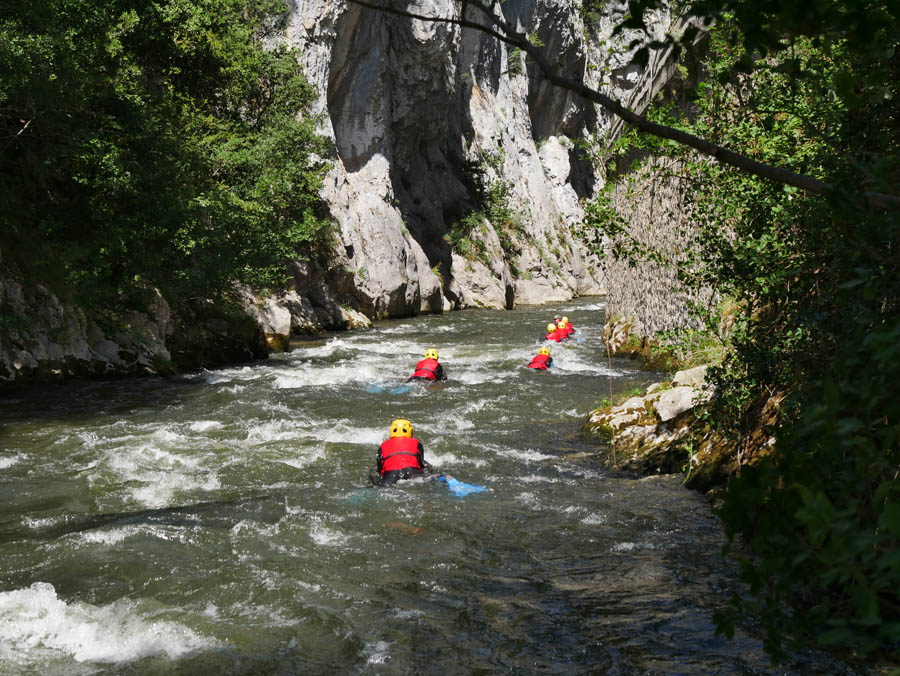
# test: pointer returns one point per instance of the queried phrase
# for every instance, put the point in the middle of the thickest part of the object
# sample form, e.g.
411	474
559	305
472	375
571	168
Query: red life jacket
555	335
399	453
426	369
540	361
569	329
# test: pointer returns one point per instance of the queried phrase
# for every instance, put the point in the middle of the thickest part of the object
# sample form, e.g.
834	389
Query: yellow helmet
561	322
551	328
544	350
431	354
565	320
401	428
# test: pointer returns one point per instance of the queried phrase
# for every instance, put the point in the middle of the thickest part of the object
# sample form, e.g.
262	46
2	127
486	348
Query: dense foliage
812	87
154	143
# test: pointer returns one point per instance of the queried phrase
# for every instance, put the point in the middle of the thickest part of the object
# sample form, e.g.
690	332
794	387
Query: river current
223	522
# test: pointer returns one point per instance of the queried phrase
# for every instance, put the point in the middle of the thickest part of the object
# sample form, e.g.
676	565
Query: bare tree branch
501	30
17	135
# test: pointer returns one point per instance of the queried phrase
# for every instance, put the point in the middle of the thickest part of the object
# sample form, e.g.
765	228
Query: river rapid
223	522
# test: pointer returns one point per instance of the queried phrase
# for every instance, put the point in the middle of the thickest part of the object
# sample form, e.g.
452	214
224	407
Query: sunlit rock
695	377
674	402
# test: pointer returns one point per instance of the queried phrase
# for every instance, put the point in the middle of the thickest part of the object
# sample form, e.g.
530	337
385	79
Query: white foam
229	375
169	436
344	433
109	537
377	653
318	351
89	439
564	365
309	376
302	462
160	473
327	537
475	376
312	435
275	430
10	461
31	522
572	312
160	493
534	479
404	328
443	460
529	500
624	547
409	350
205	425
526	455
35	621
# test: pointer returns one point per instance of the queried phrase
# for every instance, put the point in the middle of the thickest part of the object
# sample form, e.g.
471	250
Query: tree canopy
154	144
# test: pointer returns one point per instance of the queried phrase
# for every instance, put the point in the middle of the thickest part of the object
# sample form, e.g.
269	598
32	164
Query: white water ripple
35	623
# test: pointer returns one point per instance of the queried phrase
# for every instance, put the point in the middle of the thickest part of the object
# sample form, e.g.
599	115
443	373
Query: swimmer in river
400	457
553	333
564	324
542	360
429	369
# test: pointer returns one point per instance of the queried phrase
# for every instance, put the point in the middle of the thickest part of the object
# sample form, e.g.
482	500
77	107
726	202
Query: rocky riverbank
663	431
46	338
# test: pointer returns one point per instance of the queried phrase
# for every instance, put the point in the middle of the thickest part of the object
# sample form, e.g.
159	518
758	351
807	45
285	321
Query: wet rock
669	438
275	319
355	320
633	403
644	433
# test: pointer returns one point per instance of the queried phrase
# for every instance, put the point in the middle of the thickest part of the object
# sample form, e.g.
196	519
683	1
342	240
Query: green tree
818	282
155	144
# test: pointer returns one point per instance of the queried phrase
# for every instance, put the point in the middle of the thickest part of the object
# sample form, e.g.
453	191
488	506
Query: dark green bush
154	144
817	281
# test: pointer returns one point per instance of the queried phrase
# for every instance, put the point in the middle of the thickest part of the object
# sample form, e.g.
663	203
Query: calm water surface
222	523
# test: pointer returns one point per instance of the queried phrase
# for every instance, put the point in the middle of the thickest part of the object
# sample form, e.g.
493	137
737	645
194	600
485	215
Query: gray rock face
661	216
44	338
412	107
650	293
695	377
478	283
674	402
646	433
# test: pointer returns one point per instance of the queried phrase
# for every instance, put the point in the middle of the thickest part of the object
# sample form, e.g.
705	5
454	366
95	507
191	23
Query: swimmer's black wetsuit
393	476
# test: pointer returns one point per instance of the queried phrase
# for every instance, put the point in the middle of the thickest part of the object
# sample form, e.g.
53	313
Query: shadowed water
222	523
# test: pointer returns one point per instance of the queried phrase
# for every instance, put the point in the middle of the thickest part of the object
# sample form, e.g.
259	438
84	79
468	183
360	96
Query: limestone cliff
412	106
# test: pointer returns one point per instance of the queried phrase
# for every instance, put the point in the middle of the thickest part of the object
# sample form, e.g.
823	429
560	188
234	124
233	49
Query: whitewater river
222	522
